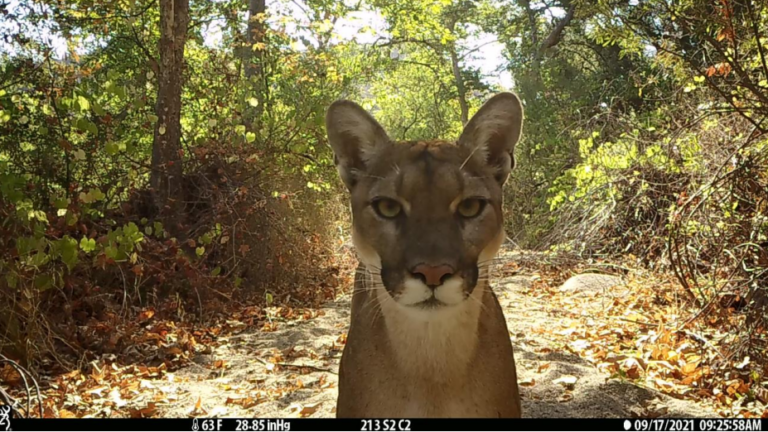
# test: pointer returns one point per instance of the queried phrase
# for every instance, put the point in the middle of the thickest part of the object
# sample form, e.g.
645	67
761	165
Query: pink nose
433	276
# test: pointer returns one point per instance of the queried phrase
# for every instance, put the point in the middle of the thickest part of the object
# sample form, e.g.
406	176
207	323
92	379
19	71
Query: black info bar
309	424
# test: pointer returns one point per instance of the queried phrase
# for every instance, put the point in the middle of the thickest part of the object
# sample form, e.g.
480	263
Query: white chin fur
451	292
415	291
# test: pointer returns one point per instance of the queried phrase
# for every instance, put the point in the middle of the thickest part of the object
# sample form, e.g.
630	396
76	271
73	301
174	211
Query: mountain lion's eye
387	208
471	207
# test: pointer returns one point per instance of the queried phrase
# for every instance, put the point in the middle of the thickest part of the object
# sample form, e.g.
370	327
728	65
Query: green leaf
111	252
12	280
43	282
93	195
67	249
216	271
39	259
61	203
86	125
200	251
119	91
98	109
250	137
25	245
253	102
112	148
72	218
131	230
83	103
87	245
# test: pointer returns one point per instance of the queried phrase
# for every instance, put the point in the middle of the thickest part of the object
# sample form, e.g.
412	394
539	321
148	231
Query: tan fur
405	358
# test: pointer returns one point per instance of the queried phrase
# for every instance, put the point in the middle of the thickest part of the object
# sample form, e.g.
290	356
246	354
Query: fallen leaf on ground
147	412
310	409
198	408
66	414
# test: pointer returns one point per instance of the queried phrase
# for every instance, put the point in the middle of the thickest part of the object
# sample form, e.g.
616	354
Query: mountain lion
428	337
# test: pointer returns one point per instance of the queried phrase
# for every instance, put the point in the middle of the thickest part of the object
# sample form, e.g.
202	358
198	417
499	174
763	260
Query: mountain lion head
427	215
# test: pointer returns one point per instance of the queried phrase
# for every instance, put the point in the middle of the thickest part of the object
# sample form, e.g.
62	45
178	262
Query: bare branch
557	33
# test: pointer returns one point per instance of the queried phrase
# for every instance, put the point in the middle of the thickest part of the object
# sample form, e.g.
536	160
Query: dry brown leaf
147	314
634	372
147	412
690	368
66	414
542	367
308	410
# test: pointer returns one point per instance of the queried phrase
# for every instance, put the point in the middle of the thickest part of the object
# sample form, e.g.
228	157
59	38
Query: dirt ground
292	371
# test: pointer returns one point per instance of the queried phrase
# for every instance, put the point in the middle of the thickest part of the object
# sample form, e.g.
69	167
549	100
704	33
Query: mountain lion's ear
354	135
493	132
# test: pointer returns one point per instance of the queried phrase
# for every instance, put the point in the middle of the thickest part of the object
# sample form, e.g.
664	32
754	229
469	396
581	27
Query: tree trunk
460	86
166	176
254	56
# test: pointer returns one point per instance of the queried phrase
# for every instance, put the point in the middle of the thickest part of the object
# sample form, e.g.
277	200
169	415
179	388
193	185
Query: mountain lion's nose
433	276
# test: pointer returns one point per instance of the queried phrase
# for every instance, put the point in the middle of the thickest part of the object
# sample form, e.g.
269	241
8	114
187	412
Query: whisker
491	260
361	173
482	306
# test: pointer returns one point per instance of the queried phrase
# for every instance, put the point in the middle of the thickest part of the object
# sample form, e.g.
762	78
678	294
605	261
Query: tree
439	27
254	56
167	170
